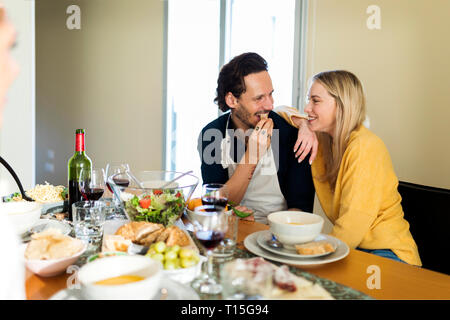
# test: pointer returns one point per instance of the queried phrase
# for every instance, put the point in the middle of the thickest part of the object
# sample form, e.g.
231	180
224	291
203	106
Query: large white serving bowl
295	227
22	214
101	269
53	267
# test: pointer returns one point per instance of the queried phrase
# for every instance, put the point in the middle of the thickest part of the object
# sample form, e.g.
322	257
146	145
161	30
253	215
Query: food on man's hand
264	115
42	193
172	257
52	244
315	247
158	206
147	233
259	278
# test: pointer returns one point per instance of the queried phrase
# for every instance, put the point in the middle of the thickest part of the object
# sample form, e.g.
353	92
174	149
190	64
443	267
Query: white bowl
283	224
185	275
23	214
101	269
50	268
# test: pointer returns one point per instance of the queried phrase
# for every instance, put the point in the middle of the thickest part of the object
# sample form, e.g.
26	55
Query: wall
17	144
106	77
404	68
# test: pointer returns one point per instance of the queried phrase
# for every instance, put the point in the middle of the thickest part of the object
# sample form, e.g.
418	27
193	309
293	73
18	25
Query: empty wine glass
91	184
118	170
210	226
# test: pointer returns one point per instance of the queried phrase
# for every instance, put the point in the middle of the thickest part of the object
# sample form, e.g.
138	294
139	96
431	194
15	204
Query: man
250	149
12	270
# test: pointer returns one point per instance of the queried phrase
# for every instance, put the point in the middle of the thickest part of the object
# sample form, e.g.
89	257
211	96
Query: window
202	36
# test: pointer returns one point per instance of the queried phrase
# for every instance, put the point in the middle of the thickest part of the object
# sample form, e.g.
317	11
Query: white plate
44	224
292	253
175	291
252	245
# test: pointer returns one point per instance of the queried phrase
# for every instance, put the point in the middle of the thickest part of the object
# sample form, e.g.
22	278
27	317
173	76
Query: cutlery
173	180
128	172
16	178
274	243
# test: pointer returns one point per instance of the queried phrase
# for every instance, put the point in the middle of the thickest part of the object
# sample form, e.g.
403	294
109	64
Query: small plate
175	291
288	252
252	245
44	224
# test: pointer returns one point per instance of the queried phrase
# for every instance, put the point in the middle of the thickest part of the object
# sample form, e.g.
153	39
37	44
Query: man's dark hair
231	76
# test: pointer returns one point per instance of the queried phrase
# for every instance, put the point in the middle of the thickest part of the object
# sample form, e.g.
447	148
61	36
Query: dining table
397	280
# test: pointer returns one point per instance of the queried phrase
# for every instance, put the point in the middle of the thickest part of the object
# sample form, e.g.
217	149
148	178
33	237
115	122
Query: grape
170	255
176	248
187	263
160	247
158	256
170	265
186	253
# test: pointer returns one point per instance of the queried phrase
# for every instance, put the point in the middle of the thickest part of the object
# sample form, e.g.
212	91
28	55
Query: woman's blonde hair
347	91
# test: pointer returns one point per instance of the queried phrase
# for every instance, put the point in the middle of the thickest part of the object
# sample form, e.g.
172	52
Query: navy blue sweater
295	178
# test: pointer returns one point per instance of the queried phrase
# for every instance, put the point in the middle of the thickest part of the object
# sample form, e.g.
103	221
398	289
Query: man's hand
259	141
306	141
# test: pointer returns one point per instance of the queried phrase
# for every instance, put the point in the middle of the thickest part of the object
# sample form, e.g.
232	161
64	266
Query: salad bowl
148	195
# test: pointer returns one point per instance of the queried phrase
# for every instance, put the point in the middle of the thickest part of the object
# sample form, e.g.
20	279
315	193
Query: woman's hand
306	141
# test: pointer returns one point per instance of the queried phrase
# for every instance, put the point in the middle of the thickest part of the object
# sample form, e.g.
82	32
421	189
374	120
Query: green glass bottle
78	161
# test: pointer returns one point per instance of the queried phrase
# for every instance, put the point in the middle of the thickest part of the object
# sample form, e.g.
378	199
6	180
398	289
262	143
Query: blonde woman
353	173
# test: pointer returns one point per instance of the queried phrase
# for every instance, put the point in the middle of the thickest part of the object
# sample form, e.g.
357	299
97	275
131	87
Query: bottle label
79	146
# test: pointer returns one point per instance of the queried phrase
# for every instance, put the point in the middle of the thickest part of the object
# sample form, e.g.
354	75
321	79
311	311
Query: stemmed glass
121	179
210	226
215	194
91	184
119	170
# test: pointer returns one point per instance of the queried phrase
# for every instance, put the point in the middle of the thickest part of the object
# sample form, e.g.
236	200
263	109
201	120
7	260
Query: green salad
158	206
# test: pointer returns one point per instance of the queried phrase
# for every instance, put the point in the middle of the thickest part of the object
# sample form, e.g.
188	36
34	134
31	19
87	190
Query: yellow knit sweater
365	207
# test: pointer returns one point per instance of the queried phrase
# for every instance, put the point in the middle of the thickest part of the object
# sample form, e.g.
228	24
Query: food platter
252	245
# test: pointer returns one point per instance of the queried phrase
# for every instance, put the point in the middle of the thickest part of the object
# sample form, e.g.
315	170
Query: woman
353	173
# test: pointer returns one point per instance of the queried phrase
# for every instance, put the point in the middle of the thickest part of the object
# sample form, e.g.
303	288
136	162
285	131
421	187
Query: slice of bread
313	248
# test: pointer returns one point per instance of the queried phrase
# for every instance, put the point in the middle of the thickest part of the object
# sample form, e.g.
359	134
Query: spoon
128	172
16	178
274	243
173	180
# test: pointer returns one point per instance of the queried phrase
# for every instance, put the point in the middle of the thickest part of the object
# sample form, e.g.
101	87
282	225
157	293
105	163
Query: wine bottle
78	161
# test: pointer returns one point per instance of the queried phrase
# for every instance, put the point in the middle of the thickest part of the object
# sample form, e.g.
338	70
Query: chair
427	209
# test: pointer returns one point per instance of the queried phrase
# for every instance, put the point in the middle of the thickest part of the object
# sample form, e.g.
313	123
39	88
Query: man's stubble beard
243	115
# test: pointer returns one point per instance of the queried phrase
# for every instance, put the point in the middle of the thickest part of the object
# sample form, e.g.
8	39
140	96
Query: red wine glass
210	226
215	194
91	184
